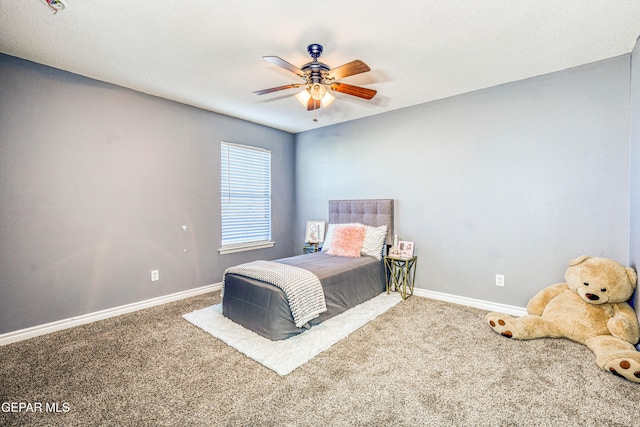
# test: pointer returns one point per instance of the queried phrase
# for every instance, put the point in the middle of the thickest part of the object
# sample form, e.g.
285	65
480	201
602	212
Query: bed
346	281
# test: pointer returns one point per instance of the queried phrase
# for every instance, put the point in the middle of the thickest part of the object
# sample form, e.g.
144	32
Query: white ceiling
208	53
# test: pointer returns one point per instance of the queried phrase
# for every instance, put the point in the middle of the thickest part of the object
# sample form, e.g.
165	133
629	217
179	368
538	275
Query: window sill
245	247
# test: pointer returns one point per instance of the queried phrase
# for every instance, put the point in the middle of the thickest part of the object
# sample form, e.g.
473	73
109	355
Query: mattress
264	309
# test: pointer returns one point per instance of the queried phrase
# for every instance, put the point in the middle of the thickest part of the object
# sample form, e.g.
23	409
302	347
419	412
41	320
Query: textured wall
515	179
634	251
96	182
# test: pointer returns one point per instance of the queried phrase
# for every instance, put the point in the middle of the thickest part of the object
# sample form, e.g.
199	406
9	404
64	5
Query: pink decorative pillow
347	241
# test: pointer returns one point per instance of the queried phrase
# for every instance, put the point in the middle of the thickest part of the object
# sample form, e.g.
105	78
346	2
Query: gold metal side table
400	274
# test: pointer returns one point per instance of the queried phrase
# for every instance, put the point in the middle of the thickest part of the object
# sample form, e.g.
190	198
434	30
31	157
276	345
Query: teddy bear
589	308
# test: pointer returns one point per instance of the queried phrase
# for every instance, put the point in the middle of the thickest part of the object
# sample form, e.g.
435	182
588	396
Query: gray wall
96	182
514	180
634	251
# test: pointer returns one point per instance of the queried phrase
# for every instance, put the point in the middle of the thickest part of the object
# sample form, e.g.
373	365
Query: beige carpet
422	363
284	356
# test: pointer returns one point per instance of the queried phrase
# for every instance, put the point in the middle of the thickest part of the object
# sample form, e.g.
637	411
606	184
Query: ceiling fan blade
349	69
313	104
275	89
284	64
358	91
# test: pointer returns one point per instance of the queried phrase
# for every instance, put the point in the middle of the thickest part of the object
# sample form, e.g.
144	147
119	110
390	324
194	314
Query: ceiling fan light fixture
317	91
327	99
314	92
303	97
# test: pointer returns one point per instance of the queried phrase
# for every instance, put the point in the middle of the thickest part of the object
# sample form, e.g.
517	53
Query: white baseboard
59	325
471	302
34	331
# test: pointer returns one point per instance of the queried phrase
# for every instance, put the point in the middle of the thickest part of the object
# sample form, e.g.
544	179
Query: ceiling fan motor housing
315	69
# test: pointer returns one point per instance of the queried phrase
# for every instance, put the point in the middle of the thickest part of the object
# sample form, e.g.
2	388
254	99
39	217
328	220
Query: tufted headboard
373	212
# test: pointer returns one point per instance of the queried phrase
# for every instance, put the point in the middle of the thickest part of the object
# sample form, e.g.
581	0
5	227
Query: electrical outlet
155	275
499	280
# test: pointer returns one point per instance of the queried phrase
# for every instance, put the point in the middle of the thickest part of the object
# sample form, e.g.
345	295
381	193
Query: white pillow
373	241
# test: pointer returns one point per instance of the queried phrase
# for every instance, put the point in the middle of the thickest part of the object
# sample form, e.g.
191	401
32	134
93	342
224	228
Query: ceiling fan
320	79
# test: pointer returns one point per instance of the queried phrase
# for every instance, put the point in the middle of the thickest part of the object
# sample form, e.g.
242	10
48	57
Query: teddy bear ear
578	260
633	277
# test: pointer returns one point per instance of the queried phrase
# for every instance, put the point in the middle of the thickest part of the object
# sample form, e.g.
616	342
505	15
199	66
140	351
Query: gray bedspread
330	269
302	288
264	308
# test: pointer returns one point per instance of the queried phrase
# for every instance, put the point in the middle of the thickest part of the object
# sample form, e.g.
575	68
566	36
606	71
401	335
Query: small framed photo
314	232
406	249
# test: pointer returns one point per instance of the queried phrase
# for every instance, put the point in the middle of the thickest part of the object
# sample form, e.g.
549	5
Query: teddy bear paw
625	367
500	323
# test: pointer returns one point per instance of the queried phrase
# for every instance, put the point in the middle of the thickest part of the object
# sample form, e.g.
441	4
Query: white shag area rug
286	355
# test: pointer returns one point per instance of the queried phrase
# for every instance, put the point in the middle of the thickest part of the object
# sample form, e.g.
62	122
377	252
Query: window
245	197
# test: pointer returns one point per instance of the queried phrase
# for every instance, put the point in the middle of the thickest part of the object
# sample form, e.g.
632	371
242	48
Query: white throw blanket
302	287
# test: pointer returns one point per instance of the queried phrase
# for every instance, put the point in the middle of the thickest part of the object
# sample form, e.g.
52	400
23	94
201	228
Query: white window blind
245	196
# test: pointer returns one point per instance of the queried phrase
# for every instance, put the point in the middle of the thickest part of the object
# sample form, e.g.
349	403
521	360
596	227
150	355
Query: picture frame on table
314	233
406	249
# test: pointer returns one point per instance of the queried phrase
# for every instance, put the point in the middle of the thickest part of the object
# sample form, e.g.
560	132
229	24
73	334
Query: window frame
247	244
